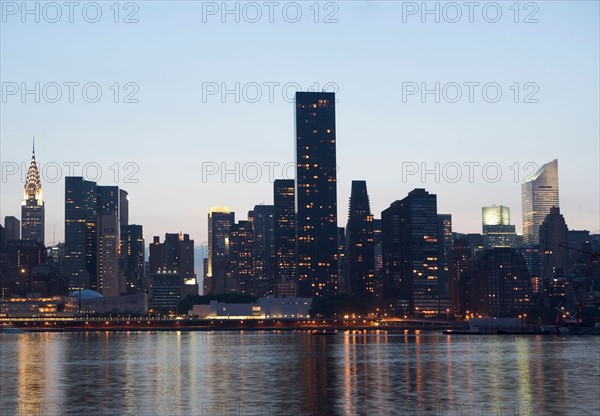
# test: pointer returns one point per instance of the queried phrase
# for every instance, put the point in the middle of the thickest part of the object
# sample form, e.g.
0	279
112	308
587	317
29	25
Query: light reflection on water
292	373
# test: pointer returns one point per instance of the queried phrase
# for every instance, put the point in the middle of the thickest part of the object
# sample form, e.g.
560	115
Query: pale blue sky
369	54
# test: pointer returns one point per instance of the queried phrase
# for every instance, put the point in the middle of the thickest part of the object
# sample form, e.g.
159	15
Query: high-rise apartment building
316	193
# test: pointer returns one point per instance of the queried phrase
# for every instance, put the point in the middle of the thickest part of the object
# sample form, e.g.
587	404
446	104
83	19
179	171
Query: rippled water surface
296	373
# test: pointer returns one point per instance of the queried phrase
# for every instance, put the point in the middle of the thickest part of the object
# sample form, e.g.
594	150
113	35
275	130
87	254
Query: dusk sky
370	55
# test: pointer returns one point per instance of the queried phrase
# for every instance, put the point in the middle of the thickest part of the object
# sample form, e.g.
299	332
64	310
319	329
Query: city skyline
170	132
312	208
34	178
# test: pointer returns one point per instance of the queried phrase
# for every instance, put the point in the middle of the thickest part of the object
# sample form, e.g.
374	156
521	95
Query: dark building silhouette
32	208
378	257
284	212
445	239
410	253
133	252
12	228
186	259
174	256
93	255
80	233
220	220
343	284
262	220
22	258
123	207
240	268
172	253
316	193
500	284
554	237
459	263
360	246
167	289
156	261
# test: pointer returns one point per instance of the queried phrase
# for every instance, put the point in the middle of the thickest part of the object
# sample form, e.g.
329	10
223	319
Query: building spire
33	184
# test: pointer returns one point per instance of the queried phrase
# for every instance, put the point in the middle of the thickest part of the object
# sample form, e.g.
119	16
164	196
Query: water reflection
351	373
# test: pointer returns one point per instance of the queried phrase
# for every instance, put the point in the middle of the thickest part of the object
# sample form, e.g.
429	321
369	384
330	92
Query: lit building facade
410	253
32	207
500	284
539	195
262	219
497	230
284	211
240	268
220	220
316	194
110	277
133	251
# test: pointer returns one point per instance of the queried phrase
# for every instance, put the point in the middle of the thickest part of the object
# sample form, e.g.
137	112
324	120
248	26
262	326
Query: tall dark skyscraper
360	247
13	228
445	239
458	273
32	208
133	252
220	220
80	233
262	219
316	193
240	268
285	230
410	252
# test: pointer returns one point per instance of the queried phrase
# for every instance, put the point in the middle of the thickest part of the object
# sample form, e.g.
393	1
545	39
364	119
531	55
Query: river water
297	373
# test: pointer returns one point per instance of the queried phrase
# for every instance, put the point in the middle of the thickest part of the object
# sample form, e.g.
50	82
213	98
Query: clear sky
374	52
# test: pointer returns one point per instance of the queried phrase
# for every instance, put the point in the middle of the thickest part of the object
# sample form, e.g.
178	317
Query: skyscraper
133	252
32	208
459	284
360	246
262	219
497	230
316	193
285	230
410	253
80	233
220	220
110	278
539	194
123	207
240	268
445	240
